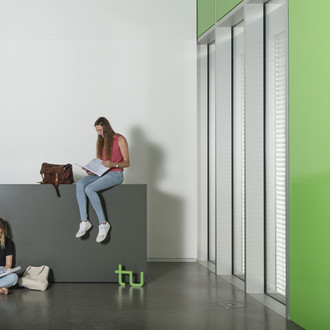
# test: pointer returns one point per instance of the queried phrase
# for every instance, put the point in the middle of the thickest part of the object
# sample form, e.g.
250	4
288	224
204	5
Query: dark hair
3	224
105	141
4	227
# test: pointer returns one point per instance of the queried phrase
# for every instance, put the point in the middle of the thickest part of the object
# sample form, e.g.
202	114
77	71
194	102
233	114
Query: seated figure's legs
81	195
106	181
8	280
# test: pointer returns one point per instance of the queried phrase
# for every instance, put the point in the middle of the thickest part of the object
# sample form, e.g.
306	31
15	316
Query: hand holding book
5	272
95	166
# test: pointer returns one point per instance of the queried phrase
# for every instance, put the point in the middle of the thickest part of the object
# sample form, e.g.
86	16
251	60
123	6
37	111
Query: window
238	152
275	147
211	155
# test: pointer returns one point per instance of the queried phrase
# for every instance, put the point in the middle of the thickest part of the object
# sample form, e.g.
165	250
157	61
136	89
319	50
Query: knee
14	279
11	279
80	186
89	190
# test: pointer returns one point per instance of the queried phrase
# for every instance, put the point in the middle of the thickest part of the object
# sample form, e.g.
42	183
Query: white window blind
280	160
276	148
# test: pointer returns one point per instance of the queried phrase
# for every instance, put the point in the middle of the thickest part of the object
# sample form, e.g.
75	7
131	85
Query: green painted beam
309	157
205	15
225	6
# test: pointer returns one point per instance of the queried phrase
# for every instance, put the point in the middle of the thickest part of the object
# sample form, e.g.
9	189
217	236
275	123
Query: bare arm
123	146
9	262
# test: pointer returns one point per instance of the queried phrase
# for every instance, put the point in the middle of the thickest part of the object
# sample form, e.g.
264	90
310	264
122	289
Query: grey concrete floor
177	296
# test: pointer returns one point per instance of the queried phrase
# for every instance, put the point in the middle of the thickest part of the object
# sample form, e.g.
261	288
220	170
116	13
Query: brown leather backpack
56	174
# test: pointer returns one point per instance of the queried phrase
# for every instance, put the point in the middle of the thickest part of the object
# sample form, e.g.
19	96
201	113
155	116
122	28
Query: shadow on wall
165	211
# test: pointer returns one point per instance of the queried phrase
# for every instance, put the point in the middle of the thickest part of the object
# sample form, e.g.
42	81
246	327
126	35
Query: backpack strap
56	184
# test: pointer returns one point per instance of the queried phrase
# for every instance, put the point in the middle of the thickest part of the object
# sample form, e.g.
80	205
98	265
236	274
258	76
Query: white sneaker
103	232
83	228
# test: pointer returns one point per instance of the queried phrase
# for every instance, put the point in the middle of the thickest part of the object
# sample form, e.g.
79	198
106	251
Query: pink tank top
116	155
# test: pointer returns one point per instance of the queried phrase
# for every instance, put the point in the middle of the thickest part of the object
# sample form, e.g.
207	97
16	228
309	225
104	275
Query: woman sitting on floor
7	250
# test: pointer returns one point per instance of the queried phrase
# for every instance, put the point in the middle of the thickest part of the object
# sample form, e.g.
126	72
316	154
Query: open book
5	272
95	166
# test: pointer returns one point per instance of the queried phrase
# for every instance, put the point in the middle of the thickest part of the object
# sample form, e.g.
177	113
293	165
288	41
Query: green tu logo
130	273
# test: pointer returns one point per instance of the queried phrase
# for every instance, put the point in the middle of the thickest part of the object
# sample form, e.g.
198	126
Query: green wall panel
205	15
225	6
309	136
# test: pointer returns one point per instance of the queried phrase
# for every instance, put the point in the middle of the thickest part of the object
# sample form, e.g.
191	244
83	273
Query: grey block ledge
43	228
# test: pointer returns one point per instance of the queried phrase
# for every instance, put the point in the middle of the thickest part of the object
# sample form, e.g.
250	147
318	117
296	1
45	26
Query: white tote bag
35	278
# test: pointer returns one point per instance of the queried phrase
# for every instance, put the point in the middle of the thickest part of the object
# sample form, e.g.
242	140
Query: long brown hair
4	234
105	141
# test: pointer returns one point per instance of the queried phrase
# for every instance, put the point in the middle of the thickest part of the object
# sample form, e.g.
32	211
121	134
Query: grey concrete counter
43	228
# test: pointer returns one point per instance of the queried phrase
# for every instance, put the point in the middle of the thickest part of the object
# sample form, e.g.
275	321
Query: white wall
65	63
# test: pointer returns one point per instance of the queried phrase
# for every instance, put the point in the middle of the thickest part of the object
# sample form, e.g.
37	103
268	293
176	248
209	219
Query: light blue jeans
8	280
89	186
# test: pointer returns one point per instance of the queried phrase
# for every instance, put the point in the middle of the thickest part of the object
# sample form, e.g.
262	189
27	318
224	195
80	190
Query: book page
95	166
9	270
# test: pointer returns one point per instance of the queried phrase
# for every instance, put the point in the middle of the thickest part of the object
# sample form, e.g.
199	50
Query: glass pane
211	154
276	147
238	153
